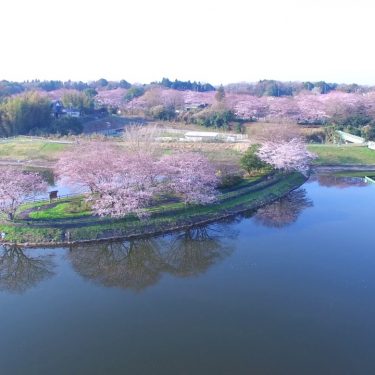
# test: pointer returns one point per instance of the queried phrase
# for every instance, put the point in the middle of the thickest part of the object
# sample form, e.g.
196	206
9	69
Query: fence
39	200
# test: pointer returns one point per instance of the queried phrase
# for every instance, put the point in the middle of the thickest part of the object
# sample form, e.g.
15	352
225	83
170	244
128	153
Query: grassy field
341	155
29	148
63	210
32	149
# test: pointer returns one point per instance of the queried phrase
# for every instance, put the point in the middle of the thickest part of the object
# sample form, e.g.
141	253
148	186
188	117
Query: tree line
278	88
186	85
32	113
8	88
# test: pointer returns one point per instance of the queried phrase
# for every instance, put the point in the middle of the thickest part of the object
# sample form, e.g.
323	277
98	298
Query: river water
289	289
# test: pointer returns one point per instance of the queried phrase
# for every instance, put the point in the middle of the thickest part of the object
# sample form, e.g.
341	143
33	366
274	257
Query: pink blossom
127	181
191	176
88	165
286	155
16	186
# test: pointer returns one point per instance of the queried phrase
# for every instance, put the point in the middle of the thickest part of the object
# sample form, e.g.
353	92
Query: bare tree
141	140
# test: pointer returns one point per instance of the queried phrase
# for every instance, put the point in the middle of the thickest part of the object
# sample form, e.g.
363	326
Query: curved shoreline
343	167
151	231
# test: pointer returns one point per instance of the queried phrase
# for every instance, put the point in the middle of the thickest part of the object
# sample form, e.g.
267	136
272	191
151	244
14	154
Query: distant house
192	106
57	109
73	112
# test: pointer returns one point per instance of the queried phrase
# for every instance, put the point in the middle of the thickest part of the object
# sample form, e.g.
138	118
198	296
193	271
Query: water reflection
138	264
330	180
134	265
20	271
284	211
194	251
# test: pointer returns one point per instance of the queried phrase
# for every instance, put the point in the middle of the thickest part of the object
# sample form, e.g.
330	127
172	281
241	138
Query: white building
201	136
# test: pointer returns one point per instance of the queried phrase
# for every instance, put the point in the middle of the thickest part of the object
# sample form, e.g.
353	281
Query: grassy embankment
329	154
51	225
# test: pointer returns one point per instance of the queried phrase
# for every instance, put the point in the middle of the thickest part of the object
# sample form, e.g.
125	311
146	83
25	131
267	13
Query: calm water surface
290	290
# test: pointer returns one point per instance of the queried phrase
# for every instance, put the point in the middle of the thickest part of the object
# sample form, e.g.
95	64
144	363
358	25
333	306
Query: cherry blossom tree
133	188
114	98
89	165
124	181
191	176
287	155
16	186
120	181
130	188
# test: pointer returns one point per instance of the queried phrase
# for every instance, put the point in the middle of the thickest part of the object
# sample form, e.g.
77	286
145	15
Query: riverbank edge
170	229
343	167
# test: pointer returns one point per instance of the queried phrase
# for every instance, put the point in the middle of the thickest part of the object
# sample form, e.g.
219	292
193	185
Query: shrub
66	126
161	112
219	118
134	92
251	162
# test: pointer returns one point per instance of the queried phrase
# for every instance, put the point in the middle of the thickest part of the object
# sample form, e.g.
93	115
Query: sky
209	41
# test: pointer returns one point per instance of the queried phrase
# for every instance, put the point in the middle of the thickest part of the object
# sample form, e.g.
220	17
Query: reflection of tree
134	264
138	264
19	272
194	251
329	180
284	211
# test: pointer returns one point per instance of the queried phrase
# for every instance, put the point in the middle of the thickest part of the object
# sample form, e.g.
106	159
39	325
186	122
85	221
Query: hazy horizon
212	42
173	79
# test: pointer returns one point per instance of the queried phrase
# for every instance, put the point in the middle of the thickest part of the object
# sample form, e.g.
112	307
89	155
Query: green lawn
68	210
341	155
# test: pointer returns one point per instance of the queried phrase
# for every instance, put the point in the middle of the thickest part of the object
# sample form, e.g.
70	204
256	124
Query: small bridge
370	179
347	137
